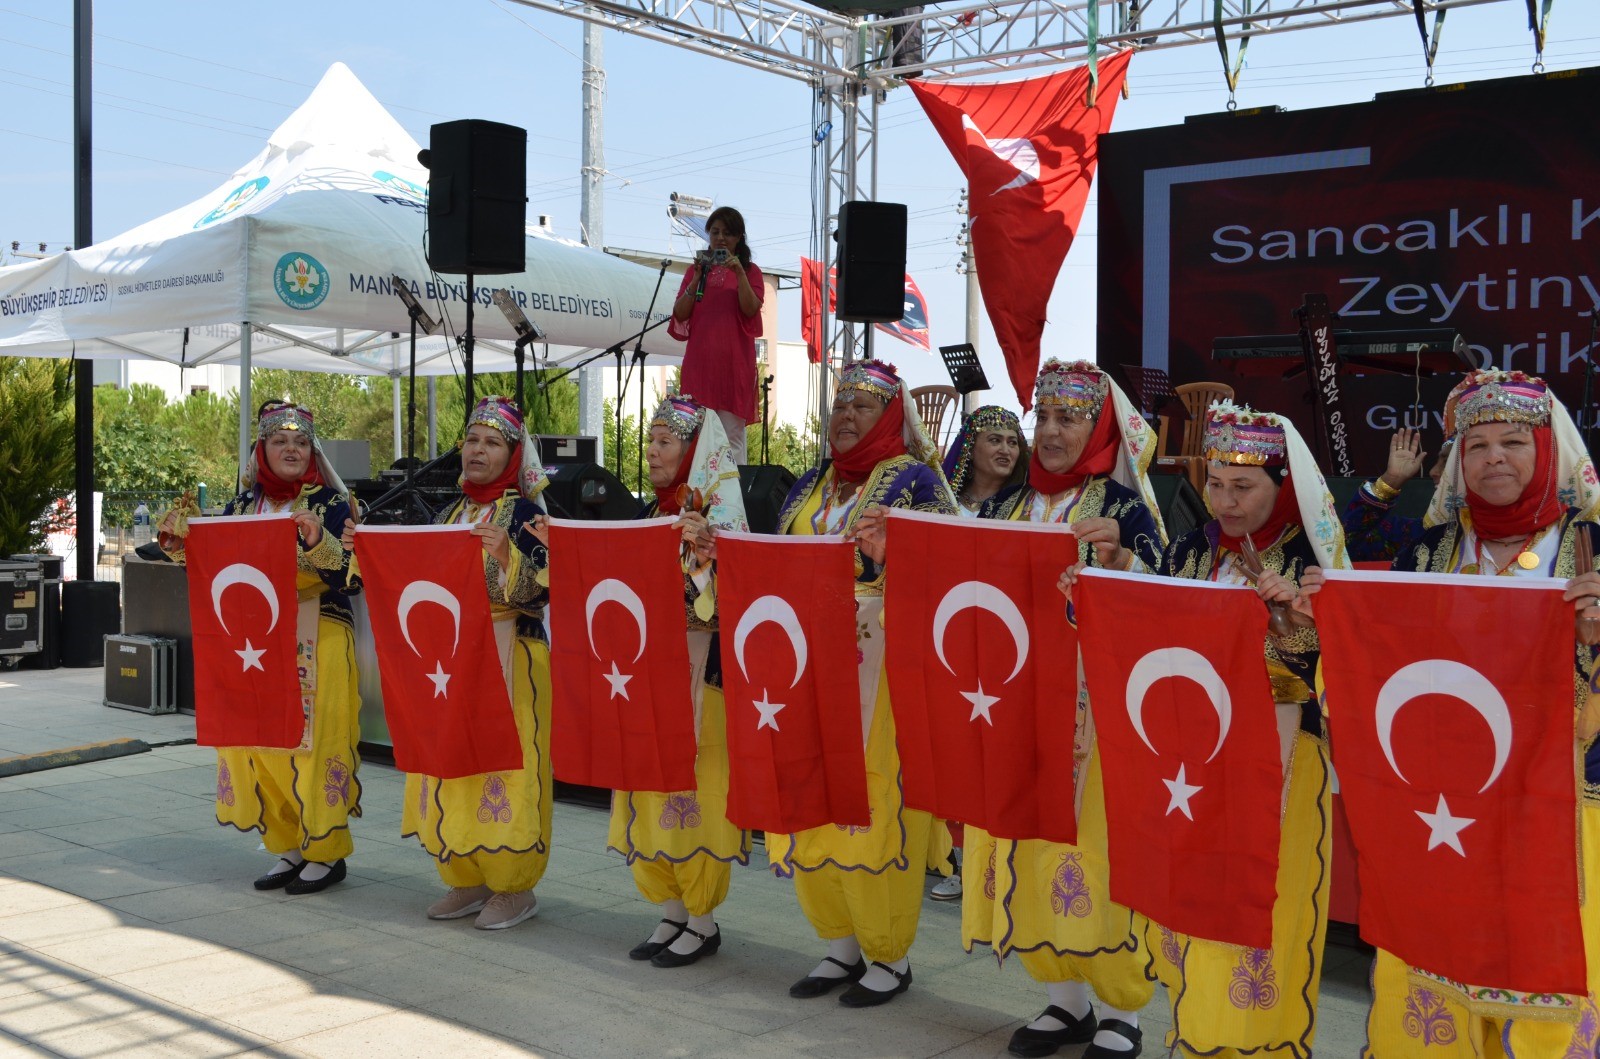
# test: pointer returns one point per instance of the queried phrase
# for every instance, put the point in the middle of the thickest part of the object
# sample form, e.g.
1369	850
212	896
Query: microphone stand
766	424
638	359
409	489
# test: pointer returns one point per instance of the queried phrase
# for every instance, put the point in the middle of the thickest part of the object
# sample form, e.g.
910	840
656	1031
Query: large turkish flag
1028	149
983	672
444	689
242	608
619	657
1454	747
788	620
1189	750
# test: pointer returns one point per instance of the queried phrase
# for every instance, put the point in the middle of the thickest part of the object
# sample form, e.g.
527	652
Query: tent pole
245	412
83	235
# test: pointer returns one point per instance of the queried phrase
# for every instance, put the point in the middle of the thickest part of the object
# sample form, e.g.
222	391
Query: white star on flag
1444	829
980	704
440	678
768	711
1182	790
618	681
251	658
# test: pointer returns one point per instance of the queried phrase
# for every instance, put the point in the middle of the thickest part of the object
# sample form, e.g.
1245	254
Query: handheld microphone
704	264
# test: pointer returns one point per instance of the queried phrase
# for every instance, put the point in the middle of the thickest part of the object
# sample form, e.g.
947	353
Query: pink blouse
719	363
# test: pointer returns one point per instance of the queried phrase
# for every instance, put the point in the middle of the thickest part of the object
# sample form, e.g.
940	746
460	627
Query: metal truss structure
852	60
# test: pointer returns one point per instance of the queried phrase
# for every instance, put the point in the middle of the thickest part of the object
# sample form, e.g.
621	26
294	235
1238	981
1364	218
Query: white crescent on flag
427	592
778	611
615	591
1190	665
242	574
1440	676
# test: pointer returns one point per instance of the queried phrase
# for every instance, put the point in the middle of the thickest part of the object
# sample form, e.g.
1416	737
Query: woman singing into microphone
718	316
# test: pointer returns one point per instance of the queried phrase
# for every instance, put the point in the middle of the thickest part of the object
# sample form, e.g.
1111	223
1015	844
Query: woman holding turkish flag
1274	524
300	800
1047	901
1518	498
861	887
490	834
680	846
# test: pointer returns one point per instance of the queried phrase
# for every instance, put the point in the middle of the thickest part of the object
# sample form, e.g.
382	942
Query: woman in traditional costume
987	460
301	800
861	887
680	846
1269	502
1049	902
490	834
1518	492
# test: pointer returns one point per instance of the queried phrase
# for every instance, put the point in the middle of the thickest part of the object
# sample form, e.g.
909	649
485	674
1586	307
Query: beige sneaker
460	901
507	910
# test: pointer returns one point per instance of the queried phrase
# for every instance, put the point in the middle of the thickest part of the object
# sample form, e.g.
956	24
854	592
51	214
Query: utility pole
83	235
591	385
969	401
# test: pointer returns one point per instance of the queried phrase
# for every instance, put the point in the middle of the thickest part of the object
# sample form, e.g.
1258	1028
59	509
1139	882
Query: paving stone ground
128	927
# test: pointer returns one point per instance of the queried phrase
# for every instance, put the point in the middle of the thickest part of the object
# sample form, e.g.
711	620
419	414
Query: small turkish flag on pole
1454	748
982	671
620	661
1188	738
243	607
788	628
444	688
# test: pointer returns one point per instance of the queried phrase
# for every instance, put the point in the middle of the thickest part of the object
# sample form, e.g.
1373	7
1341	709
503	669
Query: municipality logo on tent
236	198
301	281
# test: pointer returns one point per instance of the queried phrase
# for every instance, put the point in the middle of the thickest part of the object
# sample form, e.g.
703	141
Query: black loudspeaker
765	487
872	262
477	197
589	491
90	611
1182	509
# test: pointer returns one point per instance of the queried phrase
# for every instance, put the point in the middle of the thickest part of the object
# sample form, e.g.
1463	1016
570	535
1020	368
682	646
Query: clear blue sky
186	92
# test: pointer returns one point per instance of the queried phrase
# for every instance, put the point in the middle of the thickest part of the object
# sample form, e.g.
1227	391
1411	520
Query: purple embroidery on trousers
495	805
1427	1018
224	784
1585	1036
680	811
336	782
988	876
1069	890
1253	983
1170	949
422	798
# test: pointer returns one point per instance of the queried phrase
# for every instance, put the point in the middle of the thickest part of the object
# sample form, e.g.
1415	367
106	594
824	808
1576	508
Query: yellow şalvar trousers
1230	1000
494	830
303	799
1050	904
1412	1018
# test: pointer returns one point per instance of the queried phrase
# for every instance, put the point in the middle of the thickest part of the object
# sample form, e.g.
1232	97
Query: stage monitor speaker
1182	509
90	611
477	197
589	491
765	487
872	262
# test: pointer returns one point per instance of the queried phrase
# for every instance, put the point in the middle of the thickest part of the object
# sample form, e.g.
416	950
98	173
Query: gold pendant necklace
1527	560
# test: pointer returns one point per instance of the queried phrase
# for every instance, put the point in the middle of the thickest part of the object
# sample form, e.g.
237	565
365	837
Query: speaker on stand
872	262
765	487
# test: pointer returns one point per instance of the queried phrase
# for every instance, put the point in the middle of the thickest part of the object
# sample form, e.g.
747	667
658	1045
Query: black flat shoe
1123	1030
1033	1044
336	873
816	985
859	996
647	949
275	880
708	945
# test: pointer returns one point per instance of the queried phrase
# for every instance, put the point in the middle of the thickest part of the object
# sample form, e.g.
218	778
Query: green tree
137	456
36	450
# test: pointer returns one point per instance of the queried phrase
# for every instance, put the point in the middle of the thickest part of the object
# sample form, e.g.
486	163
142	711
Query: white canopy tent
288	264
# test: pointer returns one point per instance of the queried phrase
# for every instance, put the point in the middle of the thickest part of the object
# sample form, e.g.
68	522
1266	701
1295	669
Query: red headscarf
280	489
1537	507
667	497
1099	456
492	491
1285	510
884	441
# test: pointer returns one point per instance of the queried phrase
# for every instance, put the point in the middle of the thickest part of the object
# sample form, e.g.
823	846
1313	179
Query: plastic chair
1196	398
934	403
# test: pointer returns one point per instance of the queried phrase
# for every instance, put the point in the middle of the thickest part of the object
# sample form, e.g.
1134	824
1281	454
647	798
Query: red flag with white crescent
444	688
242	607
982	674
619	657
1028	149
788	638
912	327
1454	745
1189	750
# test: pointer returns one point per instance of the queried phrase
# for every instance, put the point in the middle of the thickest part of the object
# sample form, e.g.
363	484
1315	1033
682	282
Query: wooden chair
1196	398
934	403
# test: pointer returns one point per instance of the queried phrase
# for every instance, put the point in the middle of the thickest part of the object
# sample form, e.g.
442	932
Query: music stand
419	318
527	331
1153	389
966	373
